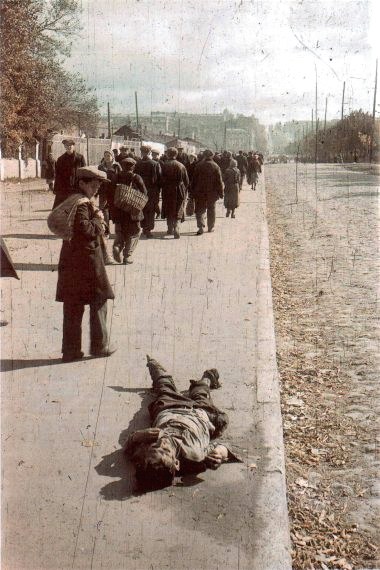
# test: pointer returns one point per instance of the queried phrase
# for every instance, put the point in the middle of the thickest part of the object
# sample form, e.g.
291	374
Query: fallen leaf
89	443
302	482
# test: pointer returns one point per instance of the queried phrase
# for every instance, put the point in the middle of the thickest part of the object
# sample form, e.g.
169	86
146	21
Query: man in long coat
242	165
207	187
175	182
82	277
66	171
150	172
253	170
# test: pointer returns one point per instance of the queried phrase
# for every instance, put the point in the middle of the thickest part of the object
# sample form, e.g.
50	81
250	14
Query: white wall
14	168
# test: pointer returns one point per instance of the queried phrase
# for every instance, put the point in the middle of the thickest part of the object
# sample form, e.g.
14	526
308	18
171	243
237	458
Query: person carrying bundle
127	223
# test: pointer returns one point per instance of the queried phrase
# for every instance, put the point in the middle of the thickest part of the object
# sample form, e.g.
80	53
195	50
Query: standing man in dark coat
156	158
66	171
253	170
182	157
207	187
225	161
175	182
242	165
150	172
82	277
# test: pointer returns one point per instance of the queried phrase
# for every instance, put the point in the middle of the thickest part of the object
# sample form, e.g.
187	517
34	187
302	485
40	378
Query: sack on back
61	220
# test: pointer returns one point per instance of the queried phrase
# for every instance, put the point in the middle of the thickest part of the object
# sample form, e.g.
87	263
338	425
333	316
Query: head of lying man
156	464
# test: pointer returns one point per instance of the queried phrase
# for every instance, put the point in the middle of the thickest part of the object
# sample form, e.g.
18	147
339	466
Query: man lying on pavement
179	440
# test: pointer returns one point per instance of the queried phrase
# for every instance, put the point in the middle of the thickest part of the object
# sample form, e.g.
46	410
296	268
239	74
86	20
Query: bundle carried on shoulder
61	220
128	198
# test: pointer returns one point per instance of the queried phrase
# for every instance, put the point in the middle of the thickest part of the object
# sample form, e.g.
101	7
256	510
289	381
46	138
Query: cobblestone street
325	271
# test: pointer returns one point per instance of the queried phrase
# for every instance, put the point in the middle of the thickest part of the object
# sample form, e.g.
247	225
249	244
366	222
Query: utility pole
109	120
316	117
179	126
373	117
312	120
137	113
316	101
344	88
324	125
225	136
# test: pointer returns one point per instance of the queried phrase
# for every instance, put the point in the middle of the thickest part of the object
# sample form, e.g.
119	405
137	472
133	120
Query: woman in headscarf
112	170
231	180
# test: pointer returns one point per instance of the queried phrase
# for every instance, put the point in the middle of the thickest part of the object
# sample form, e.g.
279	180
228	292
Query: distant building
237	132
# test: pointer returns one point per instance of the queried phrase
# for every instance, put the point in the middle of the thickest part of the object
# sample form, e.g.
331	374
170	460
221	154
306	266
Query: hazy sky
250	56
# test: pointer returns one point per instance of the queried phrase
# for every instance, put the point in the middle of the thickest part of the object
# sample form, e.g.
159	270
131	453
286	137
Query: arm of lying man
148	435
218	455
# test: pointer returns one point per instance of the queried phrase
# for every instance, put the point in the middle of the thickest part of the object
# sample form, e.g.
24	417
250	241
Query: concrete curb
275	538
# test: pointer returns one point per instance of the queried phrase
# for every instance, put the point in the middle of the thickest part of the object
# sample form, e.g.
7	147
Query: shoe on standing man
82	277
66	171
207	187
150	172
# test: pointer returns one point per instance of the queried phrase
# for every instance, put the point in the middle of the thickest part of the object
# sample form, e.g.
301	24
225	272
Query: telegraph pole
109	120
373	117
324	125
137	113
316	117
344	88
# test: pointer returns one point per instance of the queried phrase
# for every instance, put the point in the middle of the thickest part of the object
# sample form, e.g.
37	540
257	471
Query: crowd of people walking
186	183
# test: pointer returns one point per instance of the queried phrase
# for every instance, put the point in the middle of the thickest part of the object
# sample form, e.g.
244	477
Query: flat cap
68	141
208	153
91	172
128	160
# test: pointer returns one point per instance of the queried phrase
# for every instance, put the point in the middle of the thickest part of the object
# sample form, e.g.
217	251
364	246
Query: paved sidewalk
192	303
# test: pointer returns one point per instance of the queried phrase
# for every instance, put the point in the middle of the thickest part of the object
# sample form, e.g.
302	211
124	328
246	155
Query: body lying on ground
184	429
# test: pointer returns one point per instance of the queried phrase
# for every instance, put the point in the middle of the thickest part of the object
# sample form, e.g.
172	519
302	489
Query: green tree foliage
37	94
346	140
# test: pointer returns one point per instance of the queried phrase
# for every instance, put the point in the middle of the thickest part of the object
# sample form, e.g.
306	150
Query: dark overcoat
231	187
242	163
65	175
150	172
207	180
175	182
82	276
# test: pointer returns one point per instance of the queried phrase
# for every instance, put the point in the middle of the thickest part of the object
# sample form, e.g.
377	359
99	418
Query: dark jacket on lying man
183	427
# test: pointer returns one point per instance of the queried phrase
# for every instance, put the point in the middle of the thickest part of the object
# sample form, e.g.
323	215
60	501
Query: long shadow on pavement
30	236
36	266
33	220
7	364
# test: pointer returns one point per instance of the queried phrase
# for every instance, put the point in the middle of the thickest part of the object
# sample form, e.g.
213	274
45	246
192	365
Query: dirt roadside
325	265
